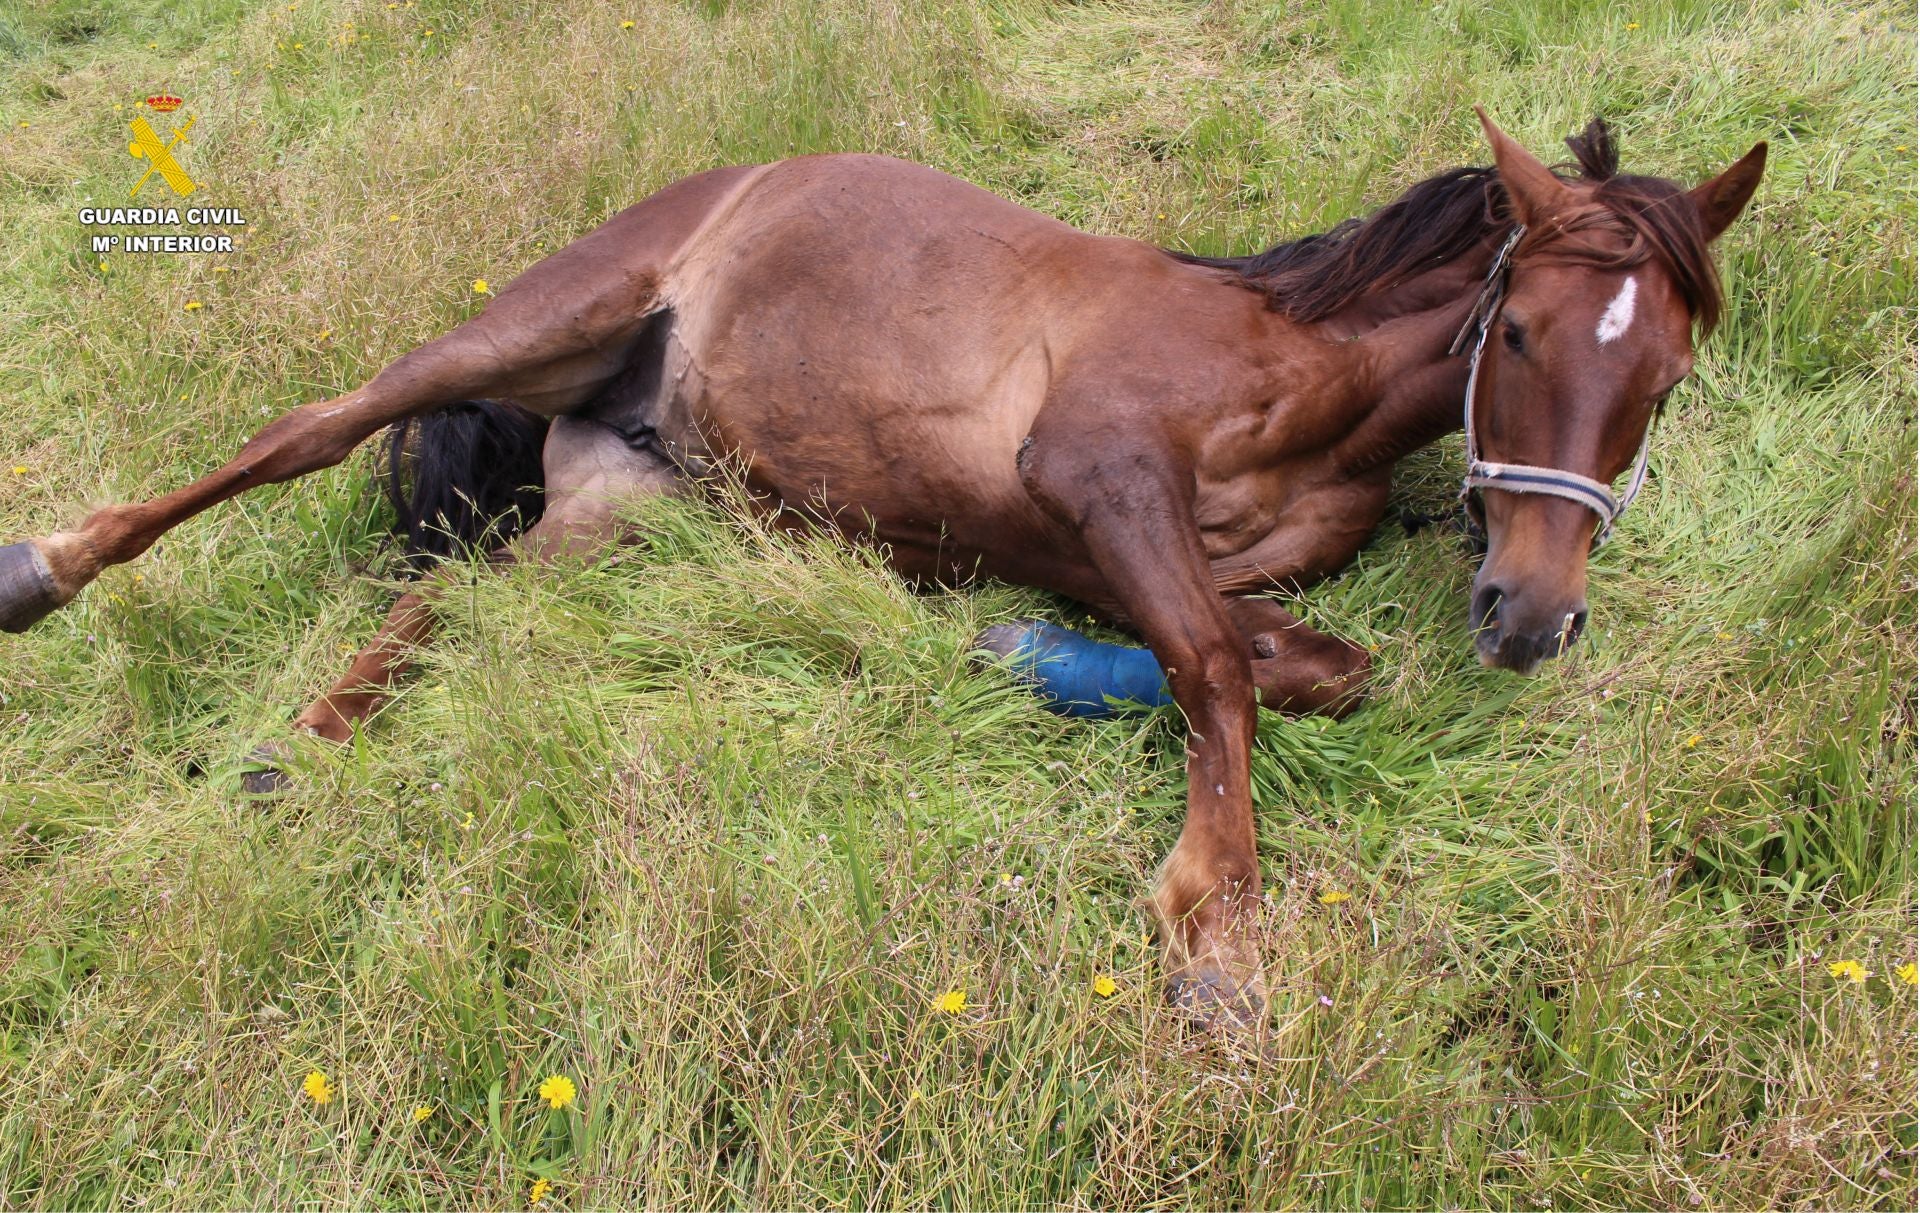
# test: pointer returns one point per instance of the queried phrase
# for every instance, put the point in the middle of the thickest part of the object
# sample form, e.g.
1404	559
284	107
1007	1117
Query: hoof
1218	1003
1003	640
27	592
266	778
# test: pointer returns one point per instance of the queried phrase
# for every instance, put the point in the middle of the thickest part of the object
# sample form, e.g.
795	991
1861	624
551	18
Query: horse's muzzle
1512	633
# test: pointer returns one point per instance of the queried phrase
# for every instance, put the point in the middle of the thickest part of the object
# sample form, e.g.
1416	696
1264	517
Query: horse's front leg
1133	512
1296	669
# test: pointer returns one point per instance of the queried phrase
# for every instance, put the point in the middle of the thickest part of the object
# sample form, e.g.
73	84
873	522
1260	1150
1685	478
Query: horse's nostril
1575	626
1486	609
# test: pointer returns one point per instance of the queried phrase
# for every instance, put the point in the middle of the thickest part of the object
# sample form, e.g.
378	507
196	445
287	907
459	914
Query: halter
1522	477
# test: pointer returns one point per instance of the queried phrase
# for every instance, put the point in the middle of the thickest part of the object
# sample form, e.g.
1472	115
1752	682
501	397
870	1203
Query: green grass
707	827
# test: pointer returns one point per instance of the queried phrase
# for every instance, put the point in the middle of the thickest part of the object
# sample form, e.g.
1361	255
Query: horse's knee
1314	673
1344	685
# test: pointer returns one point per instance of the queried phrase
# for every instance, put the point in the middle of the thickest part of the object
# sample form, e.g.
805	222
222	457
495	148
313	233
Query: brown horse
981	388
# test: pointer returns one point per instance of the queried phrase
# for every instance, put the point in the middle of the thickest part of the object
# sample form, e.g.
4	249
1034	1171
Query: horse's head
1595	327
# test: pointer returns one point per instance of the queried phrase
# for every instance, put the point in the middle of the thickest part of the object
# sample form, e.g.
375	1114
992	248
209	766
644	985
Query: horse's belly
911	441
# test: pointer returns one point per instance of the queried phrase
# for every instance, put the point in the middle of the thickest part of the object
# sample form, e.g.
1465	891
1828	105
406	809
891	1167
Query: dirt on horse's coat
885	349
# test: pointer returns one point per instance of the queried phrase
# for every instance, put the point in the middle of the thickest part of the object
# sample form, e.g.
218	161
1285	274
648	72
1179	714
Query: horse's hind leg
590	471
1296	669
516	349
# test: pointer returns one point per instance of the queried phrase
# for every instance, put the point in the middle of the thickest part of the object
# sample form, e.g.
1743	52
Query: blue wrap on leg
1082	677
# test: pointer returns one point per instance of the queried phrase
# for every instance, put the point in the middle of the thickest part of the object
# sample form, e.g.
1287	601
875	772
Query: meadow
711	827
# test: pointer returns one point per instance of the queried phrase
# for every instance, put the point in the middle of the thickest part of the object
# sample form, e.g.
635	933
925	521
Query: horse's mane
1446	215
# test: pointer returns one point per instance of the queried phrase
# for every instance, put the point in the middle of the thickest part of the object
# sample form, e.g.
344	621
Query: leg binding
1074	675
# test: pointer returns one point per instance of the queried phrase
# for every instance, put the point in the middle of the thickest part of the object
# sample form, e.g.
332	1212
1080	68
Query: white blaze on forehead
1619	313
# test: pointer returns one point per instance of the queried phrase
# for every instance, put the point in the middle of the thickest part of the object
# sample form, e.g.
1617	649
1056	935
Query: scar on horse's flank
1159	436
1619	314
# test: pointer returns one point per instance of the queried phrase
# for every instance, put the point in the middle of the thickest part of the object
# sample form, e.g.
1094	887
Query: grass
708	827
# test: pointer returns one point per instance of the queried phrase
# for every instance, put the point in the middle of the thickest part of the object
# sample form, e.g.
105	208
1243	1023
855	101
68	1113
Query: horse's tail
465	478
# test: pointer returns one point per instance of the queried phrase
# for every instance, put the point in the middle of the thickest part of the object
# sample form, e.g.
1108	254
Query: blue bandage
1082	677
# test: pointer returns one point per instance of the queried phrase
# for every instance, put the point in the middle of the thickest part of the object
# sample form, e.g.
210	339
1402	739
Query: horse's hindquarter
865	336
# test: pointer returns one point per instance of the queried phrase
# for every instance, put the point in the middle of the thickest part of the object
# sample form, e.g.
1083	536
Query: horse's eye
1514	336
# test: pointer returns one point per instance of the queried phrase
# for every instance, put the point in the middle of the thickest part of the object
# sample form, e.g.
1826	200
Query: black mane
1444	216
1315	276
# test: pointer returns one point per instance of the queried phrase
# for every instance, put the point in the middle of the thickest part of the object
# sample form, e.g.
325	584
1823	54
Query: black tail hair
465	478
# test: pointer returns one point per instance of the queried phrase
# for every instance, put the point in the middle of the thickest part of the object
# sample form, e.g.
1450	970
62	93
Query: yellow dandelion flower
540	1189
1105	986
558	1090
393	218
1633	25
318	1088
951	1003
422	1114
1333	897
479	286
1849	970
19	469
626	25
1693	741
1723	636
193	305
1908	973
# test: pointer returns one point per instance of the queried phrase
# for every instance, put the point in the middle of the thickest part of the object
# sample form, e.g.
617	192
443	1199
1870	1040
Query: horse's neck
1404	389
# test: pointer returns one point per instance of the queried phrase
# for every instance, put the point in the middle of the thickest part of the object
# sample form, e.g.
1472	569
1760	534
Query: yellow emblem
146	146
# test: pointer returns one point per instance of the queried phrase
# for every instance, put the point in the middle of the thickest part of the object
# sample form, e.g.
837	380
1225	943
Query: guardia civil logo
209	228
159	156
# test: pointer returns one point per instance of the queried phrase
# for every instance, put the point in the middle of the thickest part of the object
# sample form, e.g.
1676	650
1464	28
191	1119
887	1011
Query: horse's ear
1721	200
1534	189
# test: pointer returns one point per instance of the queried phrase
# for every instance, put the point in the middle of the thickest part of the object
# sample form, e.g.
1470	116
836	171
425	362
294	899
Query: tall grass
708	825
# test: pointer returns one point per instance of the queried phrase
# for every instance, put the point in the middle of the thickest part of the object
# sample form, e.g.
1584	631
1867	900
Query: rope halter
1523	477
